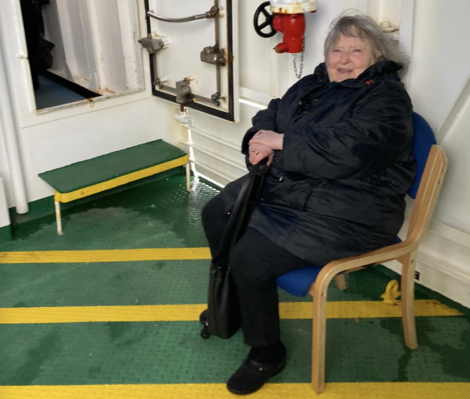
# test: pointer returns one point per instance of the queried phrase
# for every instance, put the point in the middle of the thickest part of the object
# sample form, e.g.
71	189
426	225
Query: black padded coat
337	188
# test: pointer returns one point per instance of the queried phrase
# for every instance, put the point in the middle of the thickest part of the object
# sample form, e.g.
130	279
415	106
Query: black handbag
223	316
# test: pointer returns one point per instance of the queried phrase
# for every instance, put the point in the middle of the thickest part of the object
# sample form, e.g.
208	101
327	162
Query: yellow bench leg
58	218
188	177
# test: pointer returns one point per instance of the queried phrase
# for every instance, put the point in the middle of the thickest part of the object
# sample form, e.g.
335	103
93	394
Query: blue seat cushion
299	281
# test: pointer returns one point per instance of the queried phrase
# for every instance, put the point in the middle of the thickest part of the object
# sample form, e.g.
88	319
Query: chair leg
407	299
318	342
340	280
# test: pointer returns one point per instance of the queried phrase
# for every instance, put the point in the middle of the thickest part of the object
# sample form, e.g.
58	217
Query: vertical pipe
4	214
10	131
217	43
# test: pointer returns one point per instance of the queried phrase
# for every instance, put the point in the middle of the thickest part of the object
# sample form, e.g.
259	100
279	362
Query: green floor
160	213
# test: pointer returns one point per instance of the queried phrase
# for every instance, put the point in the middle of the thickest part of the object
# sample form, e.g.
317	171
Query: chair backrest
431	169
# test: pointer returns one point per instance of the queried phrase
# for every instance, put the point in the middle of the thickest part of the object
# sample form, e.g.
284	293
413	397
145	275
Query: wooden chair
433	160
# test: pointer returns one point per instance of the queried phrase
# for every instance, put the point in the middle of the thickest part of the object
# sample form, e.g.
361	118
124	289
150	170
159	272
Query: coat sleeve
263	120
373	137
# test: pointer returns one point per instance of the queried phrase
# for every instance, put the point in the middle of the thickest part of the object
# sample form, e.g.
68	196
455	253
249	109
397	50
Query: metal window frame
230	115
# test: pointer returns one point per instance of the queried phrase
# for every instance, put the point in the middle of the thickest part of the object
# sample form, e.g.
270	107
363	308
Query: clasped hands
263	144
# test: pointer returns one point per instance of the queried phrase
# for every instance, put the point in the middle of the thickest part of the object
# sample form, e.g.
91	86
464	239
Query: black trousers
255	262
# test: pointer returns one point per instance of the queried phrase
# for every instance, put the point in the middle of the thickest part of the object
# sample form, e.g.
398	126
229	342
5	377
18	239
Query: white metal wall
440	88
439	73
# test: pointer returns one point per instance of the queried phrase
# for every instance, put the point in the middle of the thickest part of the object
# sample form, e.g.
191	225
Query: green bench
111	170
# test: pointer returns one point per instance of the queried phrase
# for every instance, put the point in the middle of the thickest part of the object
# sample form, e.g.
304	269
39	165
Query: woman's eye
356	50
336	50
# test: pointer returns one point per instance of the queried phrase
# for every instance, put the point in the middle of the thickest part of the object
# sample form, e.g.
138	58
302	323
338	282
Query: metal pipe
217	42
11	142
4	214
209	14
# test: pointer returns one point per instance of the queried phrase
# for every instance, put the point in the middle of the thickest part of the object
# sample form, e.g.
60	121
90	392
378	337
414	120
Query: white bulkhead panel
194	60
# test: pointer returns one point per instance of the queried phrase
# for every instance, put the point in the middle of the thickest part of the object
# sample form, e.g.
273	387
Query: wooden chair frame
405	252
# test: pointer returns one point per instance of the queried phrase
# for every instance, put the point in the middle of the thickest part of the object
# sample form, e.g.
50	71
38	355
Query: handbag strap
241	211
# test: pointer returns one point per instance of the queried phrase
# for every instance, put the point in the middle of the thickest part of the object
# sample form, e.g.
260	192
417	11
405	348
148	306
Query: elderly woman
339	148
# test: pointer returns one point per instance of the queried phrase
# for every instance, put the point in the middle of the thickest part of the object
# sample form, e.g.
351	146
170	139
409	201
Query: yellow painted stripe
367	390
290	310
364	309
111	255
119	181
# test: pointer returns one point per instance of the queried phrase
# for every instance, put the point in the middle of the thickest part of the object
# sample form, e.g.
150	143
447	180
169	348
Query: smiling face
349	58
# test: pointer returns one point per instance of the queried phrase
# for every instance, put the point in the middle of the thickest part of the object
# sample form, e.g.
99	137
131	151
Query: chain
299	74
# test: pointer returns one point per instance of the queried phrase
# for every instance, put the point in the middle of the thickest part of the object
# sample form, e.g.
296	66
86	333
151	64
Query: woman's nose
344	59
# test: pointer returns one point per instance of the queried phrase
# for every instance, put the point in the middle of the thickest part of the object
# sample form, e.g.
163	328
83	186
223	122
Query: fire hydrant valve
293	28
288	18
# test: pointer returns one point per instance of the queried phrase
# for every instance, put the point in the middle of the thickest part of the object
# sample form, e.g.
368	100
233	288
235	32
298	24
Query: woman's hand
258	152
269	139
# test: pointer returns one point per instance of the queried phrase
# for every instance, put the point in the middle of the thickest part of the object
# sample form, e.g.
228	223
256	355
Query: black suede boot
260	365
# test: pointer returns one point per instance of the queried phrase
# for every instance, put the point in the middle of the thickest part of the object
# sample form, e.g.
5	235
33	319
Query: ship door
192	47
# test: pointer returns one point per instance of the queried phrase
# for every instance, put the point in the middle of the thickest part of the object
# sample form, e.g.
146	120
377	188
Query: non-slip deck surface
164	357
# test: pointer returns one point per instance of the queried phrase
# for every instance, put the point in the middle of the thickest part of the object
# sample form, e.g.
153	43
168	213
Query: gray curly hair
355	24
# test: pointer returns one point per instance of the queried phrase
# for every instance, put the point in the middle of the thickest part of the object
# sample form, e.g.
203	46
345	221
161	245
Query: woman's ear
378	54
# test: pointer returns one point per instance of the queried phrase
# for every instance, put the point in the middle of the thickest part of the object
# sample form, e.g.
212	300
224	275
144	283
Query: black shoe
252	375
203	318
